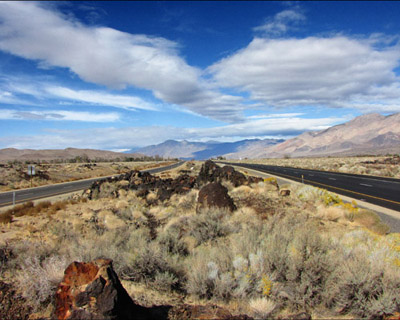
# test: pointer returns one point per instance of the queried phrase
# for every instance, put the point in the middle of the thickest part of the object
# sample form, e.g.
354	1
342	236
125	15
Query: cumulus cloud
110	57
282	22
59	115
334	72
115	138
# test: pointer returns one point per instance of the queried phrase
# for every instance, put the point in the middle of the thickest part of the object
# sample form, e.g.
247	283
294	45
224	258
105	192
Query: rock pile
210	172
145	183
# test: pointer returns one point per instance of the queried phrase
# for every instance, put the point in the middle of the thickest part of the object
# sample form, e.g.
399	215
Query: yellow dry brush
267	285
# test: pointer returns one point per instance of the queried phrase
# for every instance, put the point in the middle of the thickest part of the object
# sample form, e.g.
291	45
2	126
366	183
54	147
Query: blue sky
121	75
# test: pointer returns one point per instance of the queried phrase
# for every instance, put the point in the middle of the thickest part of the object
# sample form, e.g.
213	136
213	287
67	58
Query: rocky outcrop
93	291
144	183
210	172
215	195
191	312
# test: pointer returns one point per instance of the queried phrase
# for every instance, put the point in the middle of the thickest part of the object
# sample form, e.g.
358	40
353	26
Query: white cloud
100	98
282	22
332	72
16	89
59	115
126	138
110	57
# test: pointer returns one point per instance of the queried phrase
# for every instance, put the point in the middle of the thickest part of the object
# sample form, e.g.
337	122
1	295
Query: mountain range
204	150
367	134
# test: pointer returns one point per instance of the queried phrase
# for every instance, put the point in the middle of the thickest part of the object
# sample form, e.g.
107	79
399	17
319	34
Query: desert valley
199	241
199	160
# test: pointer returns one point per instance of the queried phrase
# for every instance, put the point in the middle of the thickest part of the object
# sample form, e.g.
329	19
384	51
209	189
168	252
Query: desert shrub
107	189
172	243
364	287
309	266
22	209
42	205
165	281
6	217
150	265
209	225
38	280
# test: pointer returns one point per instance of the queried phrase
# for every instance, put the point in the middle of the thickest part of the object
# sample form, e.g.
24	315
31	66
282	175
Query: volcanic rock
215	195
92	291
210	172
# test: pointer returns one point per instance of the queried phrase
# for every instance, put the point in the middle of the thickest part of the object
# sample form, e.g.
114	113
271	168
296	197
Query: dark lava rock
215	195
93	291
210	172
144	182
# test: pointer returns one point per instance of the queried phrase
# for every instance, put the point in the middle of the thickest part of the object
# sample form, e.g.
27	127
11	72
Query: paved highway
384	192
6	198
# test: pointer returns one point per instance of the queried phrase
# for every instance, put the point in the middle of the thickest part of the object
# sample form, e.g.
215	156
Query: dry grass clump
267	259
261	308
330	206
30	209
6	217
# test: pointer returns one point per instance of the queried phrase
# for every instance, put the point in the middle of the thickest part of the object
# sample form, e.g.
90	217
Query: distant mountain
65	154
366	134
202	150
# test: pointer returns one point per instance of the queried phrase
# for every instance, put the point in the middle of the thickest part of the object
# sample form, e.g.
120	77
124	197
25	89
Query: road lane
377	190
6	198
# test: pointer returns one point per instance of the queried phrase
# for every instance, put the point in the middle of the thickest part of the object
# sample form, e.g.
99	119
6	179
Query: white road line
367	185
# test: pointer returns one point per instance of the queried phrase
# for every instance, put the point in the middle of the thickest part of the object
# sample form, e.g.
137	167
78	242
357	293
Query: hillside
366	134
204	150
62	154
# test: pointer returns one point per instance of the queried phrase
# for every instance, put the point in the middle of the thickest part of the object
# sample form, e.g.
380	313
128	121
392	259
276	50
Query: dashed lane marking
366	185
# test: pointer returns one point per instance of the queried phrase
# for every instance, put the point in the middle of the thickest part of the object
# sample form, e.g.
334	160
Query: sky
117	76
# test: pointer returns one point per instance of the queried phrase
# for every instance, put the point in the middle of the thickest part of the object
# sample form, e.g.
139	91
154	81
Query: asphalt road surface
6	198
384	192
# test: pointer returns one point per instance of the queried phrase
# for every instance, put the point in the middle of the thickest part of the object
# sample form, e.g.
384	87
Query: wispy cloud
15	90
116	138
282	22
59	115
100	98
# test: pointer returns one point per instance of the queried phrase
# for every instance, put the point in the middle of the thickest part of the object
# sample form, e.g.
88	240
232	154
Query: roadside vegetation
14	175
273	256
384	166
